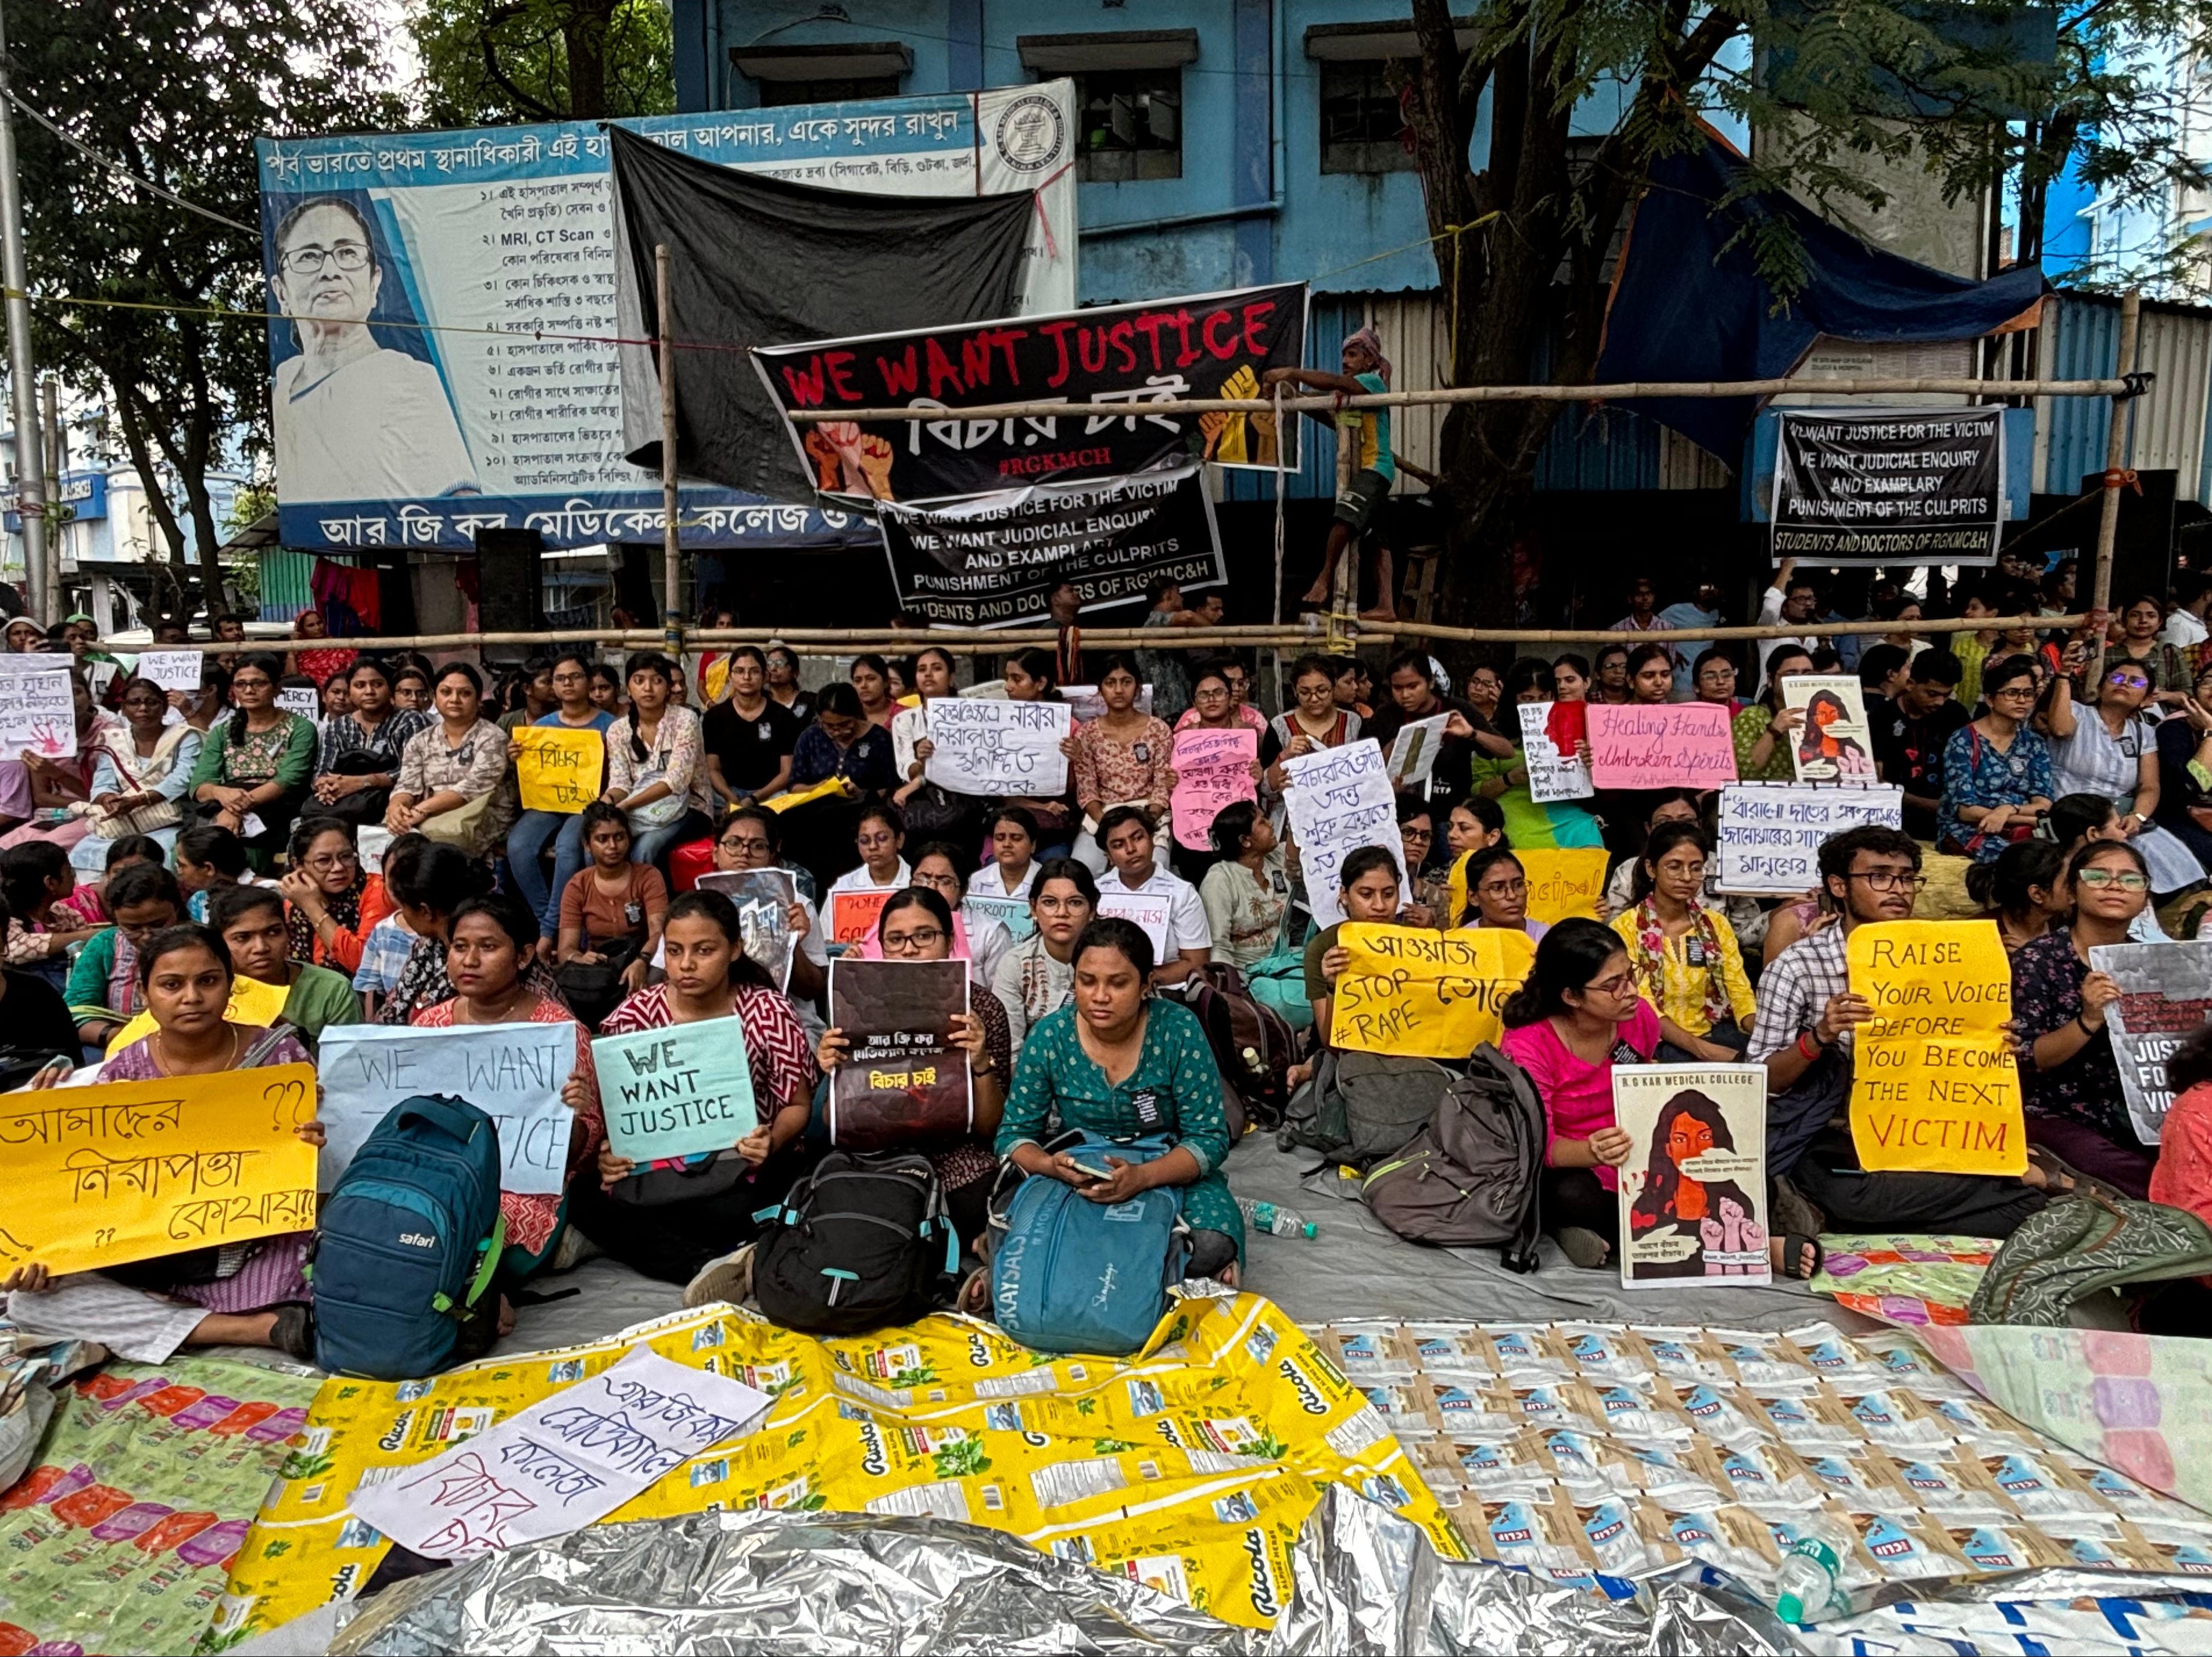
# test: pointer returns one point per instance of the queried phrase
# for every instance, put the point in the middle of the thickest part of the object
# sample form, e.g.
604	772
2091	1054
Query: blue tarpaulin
1683	309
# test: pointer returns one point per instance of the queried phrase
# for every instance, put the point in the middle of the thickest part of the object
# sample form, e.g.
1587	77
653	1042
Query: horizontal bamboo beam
1785	630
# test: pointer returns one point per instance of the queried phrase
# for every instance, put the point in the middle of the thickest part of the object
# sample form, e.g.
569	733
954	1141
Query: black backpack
860	1243
1471	1177
1360	1107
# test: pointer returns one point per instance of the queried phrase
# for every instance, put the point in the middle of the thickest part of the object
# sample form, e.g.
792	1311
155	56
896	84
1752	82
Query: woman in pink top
1577	1016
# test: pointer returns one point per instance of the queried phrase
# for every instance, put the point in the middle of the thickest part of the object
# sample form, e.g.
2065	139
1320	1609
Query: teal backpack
1070	1275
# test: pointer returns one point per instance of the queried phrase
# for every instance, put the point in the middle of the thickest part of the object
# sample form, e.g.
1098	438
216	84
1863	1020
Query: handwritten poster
123	1171
1012	912
560	768
1770	832
1552	775
853	915
1340	800
1661	745
2166	998
172	670
1563	881
1413	991
1933	1084
677	1091
986	747
1833	744
37	712
252	1003
1413	751
566	1461
514	1073
763	899
905	1080
1693	1189
1147	912
305	700
1213	768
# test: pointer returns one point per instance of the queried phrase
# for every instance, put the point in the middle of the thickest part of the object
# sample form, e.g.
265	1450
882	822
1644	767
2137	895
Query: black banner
1920	486
991	561
1119	356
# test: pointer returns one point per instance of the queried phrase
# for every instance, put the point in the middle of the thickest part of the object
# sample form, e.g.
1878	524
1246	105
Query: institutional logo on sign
1031	133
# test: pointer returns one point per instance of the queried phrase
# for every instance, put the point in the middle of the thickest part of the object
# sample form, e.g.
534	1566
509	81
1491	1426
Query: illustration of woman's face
1826	713
1687	1139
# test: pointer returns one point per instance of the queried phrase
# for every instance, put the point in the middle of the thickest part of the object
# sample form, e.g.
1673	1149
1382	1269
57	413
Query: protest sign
123	1171
853	915
987	747
677	1091
172	670
905	1079
1693	1189
1012	912
566	1461
1213	768
1340	800
1552	775
37	712
1433	995
1935	1086
1148	912
2166	998
1413	750
763	899
253	1003
1858	487
1770	832
1087	704
514	1073
1563	881
1661	745
560	768
908	726
1833	744
305	700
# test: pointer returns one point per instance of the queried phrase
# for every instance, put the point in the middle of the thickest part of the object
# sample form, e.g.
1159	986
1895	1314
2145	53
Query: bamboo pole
2116	475
671	540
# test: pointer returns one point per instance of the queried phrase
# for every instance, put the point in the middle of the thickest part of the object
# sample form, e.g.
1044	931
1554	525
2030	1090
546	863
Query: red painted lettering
805	383
901	374
1057	332
1094	362
1223	345
1123	337
1256	316
1149	325
942	374
1185	352
838	363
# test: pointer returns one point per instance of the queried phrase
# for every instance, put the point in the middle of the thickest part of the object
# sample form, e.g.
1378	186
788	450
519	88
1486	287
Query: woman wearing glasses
336	904
1997	771
2110	749
258	765
2071	1083
1313	721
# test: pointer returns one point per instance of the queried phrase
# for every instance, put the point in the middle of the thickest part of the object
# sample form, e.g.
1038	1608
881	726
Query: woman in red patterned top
488	944
668	1220
318	664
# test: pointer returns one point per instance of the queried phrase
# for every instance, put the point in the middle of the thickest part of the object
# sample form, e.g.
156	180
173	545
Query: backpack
862	1242
1069	1275
2090	1242
1360	1107
1470	1177
1253	1044
409	1241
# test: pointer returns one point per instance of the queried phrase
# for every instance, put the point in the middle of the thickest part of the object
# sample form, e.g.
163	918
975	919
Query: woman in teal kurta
1167	1084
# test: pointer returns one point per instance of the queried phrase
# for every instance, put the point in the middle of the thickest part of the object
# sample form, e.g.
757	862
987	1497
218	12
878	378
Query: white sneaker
729	1279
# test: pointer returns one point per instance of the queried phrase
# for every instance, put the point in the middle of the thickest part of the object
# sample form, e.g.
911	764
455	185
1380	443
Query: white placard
370	843
999	748
1413	750
514	1073
1090	705
305	701
1340	800
172	670
908	726
38	713
566	1461
1147	911
1770	832
1833	744
1552	775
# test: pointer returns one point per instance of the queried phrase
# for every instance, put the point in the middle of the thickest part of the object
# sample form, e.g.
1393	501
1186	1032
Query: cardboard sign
253	1003
1661	745
1552	775
2166	998
676	1092
1409	990
560	768
1012	912
1693	1189
763	899
1770	832
123	1171
906	1080
1565	880
1213	768
305	700
514	1073
1340	800
1933	1084
1833	744
853	915
992	748
37	712
1149	912
172	670
1413	751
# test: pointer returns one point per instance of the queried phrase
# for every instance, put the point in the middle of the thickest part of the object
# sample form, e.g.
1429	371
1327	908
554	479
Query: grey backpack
1358	1107
1469	1178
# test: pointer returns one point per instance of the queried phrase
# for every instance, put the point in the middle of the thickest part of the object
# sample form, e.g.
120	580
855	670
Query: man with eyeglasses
355	421
1908	733
1802	1035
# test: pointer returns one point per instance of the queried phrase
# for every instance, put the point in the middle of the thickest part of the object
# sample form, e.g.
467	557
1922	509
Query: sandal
2058	1179
1584	1247
1794	1245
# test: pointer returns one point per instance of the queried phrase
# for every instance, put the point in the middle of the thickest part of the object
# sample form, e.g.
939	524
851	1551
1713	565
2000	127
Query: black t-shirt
35	1018
751	750
1910	753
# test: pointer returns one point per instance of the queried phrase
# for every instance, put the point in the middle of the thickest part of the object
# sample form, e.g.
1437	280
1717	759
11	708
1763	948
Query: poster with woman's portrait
1693	1189
1834	743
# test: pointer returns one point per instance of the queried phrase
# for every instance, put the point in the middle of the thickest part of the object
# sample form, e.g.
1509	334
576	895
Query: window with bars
1362	126
1131	124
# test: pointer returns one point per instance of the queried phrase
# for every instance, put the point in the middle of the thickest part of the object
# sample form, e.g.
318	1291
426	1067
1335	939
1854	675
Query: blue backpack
1069	1275
409	1241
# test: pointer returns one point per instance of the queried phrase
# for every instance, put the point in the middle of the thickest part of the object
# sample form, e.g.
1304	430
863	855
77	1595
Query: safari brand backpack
862	1242
1253	1044
1358	1107
1470	1177
405	1254
1070	1275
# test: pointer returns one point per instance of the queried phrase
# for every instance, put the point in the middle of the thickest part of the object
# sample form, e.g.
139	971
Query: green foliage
488	62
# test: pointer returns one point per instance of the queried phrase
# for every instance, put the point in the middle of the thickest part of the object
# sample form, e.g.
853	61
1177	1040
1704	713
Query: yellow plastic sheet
1434	995
1191	1466
559	768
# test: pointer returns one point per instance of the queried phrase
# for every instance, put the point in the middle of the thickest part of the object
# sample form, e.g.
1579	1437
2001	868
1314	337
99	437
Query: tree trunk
584	35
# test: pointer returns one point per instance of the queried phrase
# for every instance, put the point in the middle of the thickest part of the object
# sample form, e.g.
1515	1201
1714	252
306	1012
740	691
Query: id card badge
1693	952
1146	1104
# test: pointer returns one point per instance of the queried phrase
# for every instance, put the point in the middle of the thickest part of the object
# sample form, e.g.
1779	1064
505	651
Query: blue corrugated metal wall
2082	342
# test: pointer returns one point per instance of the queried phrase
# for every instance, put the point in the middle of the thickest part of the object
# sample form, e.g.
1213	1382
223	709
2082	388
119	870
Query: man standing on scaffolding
1359	509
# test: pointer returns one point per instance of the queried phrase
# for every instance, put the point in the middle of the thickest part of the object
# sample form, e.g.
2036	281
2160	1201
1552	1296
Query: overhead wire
117	167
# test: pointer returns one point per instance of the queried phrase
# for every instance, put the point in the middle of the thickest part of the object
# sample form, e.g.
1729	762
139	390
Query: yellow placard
560	768
1425	994
1561	881
827	788
125	1171
1935	1086
251	1003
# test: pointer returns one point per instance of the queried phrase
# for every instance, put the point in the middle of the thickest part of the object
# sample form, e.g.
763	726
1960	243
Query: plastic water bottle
1276	1220
1809	1584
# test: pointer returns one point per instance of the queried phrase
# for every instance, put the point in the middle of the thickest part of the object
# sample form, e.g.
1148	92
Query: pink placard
1213	768
1661	745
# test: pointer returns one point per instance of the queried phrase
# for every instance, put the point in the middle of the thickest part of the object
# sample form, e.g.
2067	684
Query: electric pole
22	381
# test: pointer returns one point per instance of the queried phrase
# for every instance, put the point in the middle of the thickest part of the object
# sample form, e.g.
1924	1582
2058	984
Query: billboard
445	358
